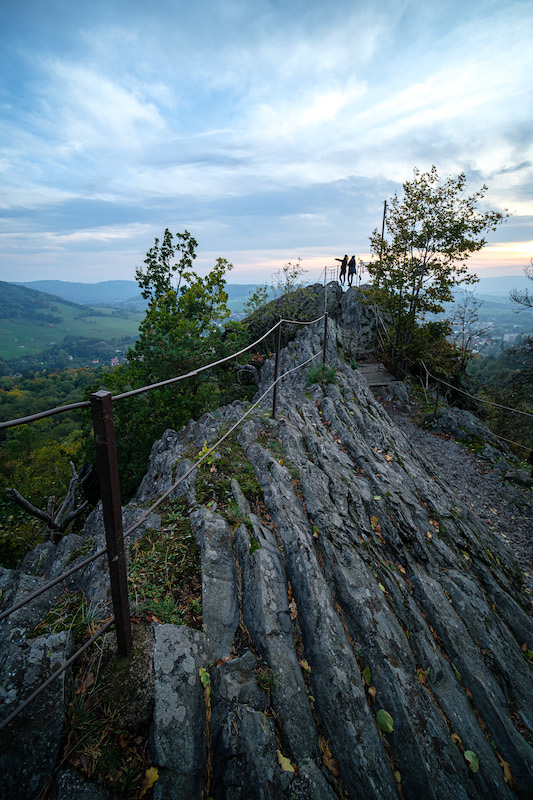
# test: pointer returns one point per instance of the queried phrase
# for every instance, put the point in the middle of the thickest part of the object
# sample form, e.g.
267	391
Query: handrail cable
194	371
139	522
28	598
57	673
143	516
158	502
474	397
86	403
297	322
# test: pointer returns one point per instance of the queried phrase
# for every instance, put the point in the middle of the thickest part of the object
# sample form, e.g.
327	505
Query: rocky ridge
365	633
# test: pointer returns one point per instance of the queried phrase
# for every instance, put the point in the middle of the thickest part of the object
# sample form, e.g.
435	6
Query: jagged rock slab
364	584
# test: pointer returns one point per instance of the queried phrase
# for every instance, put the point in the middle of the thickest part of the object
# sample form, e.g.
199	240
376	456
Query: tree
467	329
522	296
430	234
183	329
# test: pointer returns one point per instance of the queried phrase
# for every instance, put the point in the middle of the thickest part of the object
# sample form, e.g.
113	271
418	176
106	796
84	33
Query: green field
26	337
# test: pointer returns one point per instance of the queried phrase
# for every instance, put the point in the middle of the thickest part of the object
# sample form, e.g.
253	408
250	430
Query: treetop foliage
431	232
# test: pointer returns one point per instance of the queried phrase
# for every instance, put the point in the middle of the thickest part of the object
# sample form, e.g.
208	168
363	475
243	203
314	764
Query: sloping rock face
365	634
352	582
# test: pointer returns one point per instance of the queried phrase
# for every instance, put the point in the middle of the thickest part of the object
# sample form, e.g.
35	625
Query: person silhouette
351	270
342	274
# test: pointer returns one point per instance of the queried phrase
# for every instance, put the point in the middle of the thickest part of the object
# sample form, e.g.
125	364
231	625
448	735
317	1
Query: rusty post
276	371
107	464
325	337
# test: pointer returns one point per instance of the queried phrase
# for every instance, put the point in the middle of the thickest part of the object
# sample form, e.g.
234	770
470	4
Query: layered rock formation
365	636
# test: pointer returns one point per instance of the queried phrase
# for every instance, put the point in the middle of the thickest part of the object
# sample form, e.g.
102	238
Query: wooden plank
376	374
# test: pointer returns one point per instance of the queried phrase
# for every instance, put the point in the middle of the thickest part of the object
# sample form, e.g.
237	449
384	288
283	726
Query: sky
272	130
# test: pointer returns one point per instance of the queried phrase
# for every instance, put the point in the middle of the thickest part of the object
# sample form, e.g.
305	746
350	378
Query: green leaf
367	675
457	673
205	677
472	760
385	721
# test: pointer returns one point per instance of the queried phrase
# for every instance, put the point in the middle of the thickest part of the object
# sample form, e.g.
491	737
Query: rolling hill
30	321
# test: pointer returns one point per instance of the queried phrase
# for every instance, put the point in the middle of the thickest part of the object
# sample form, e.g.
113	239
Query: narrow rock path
504	507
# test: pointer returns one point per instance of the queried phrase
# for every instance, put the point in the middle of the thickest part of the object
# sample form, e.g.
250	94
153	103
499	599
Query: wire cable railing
115	537
86	403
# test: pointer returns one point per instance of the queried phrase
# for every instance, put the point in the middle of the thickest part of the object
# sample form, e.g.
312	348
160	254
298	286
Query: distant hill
87	294
18	301
112	293
31	321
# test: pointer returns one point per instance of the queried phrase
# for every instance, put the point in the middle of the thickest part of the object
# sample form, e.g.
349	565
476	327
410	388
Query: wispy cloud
257	123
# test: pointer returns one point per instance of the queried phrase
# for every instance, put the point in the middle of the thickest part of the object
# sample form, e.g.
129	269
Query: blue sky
270	129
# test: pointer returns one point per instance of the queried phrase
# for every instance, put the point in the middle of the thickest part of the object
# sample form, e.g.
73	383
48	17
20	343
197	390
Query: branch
13	494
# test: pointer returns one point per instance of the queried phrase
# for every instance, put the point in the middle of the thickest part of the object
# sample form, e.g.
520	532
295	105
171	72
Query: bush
322	375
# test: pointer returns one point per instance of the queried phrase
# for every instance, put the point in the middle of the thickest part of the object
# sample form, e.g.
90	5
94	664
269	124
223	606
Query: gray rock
220	605
29	745
178	737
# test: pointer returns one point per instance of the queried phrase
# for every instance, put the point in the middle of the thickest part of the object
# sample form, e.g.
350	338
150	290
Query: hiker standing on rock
342	274
351	270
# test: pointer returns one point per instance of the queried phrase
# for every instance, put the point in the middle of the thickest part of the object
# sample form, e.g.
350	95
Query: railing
101	404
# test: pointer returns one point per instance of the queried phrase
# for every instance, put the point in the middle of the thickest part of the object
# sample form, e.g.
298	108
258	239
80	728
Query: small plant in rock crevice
165	574
265	678
321	374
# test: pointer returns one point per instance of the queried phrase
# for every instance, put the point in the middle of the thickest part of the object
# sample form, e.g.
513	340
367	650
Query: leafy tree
430	234
183	329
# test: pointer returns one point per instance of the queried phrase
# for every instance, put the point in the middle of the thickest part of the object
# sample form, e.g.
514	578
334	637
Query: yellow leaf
150	777
457	739
280	461
285	763
305	666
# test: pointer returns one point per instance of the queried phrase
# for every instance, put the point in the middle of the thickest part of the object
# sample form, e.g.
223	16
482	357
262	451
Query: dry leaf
372	693
457	739
507	774
293	609
285	763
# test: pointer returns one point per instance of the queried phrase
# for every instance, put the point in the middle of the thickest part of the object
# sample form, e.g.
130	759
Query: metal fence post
325	337
107	464
276	371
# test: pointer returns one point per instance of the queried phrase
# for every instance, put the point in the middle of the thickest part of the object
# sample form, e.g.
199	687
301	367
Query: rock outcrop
364	634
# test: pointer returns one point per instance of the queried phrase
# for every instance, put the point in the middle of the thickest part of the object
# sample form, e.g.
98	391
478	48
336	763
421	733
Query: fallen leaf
457	739
472	760
397	776
305	666
372	693
285	763
86	683
293	609
382	588
507	774
150	777
385	721
367	675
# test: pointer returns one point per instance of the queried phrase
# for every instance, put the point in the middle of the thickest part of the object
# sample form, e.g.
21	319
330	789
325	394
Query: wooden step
376	374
